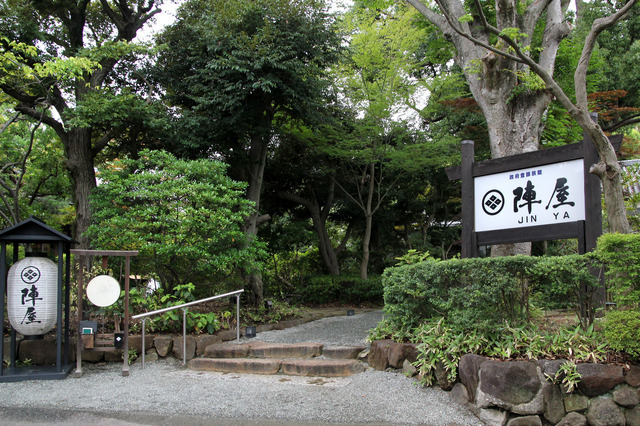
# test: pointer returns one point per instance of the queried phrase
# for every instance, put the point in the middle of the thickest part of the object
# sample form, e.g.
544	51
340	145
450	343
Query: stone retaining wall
517	393
43	351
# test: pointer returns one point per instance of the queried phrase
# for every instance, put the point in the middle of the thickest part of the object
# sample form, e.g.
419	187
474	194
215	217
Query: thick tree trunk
319	217
83	180
513	111
258	158
328	255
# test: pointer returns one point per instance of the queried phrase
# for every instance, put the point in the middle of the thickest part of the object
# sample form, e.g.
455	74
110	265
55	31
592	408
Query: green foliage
631	178
322	289
412	256
185	218
482	294
278	311
566	282
232	66
171	322
622	332
472	293
445	345
132	356
567	375
33	181
621	255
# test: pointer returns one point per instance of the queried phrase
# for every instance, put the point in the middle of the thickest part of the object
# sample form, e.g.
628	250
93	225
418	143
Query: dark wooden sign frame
586	231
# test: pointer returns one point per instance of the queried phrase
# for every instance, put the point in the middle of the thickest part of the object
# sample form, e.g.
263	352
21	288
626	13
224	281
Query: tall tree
235	69
511	77
99	31
376	81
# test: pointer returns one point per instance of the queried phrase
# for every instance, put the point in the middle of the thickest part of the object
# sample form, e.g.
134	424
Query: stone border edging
517	393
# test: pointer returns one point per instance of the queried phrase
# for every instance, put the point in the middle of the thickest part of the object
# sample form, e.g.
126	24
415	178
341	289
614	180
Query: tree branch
599	25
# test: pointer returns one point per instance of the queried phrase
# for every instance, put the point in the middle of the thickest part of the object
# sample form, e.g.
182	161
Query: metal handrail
184	306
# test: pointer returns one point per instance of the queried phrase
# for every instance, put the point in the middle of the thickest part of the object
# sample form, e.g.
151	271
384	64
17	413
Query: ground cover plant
496	307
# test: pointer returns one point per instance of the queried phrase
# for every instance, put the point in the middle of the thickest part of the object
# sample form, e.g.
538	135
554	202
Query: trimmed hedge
484	293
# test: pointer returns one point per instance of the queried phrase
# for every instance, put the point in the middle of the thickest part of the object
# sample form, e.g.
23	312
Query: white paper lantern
32	295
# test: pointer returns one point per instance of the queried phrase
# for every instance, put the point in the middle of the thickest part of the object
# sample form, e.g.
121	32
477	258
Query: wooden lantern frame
32	231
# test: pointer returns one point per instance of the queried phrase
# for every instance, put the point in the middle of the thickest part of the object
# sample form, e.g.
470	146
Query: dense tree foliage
339	127
33	181
59	56
184	216
237	69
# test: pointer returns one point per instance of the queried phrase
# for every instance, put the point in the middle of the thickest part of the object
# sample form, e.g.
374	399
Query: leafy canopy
183	216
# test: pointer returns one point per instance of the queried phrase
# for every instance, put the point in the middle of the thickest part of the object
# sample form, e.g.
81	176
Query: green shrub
322	289
482	294
566	282
621	255
622	332
471	293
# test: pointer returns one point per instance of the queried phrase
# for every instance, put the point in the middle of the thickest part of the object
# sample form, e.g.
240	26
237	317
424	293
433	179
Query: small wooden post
469	245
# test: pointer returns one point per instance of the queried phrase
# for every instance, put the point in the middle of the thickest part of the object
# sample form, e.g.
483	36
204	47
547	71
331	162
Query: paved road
166	393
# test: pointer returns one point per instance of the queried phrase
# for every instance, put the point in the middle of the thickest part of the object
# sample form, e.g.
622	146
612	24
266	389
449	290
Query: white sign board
541	195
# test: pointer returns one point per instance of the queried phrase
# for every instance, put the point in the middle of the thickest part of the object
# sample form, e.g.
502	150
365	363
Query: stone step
322	367
264	350
342	352
237	365
294	367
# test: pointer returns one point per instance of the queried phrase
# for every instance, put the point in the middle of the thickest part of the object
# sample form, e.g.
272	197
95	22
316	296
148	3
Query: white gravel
165	392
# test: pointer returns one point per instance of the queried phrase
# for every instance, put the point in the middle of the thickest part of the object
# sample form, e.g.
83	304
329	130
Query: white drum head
103	290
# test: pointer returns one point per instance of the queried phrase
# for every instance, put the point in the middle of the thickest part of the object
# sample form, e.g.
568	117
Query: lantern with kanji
32	295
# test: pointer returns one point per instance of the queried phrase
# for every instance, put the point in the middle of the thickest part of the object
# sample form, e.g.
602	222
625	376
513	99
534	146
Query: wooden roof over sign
32	230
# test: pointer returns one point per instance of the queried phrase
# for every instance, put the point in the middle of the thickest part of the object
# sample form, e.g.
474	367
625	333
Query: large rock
515	386
459	394
408	369
205	340
135	342
605	412
633	416
549	367
387	353
553	404
190	348
626	396
114	355
92	356
442	377
598	379
525	421
38	352
491	417
632	377
575	402
468	369
163	345
379	354
573	419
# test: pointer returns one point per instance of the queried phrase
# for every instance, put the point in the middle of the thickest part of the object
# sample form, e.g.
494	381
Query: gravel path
332	331
167	393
